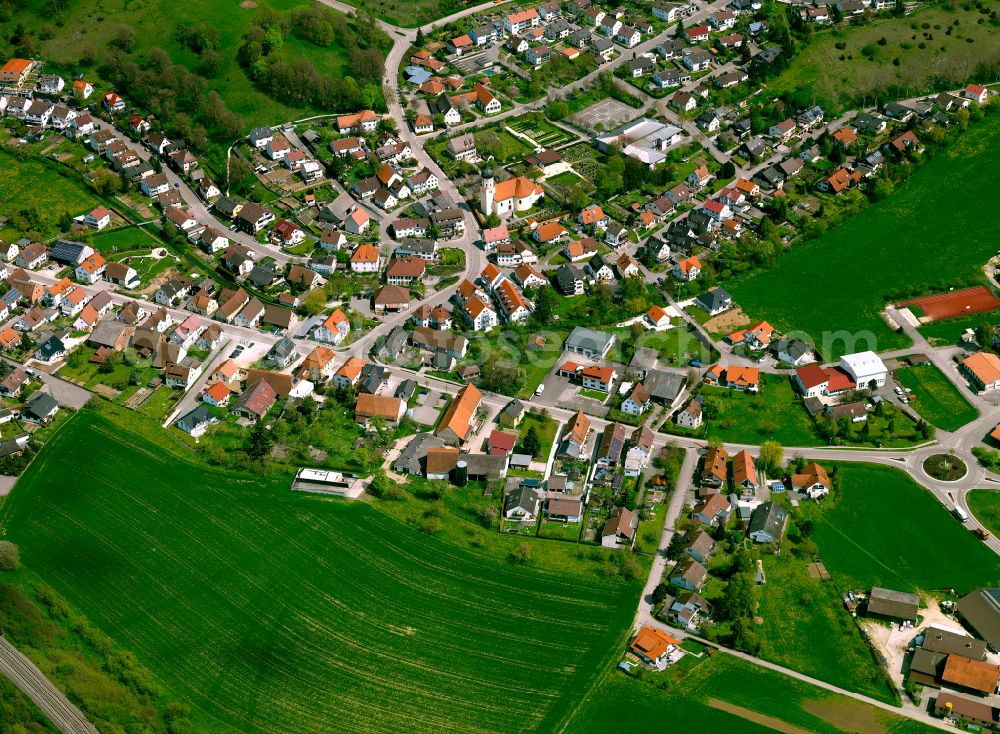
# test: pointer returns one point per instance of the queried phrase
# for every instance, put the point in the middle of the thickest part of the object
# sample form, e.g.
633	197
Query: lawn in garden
268	610
937	400
775	413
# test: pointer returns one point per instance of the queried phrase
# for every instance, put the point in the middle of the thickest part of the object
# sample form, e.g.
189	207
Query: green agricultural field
985	505
272	611
156	24
937	400
775	413
888	531
861	257
725	694
934	43
37	194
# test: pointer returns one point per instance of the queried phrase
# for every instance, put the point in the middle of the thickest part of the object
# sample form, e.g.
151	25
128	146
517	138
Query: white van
540	389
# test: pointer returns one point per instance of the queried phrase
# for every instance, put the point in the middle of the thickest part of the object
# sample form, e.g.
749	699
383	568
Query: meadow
725	694
793	606
85	26
858	64
37	195
272	611
938	401
837	304
888	531
775	413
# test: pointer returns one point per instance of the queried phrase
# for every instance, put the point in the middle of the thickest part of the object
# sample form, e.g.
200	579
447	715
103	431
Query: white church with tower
513	195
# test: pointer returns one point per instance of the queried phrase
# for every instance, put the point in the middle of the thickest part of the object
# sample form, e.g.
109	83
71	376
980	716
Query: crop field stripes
268	612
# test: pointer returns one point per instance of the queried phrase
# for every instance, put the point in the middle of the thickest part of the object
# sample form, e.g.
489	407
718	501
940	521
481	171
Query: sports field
938	401
888	531
955	303
272	611
904	236
725	694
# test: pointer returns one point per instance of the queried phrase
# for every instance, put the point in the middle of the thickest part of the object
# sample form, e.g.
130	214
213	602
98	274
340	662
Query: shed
893	604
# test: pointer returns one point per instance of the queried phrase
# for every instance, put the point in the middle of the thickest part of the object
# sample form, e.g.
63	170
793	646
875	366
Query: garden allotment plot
542	132
269	611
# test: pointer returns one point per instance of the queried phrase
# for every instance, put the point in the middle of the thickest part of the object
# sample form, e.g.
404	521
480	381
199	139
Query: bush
10	556
520	554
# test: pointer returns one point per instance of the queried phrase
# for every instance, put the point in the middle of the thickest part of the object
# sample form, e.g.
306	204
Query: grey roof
405	389
769	517
715	298
643	359
107	332
664	385
524	498
890	603
416	449
981	611
486	465
283	349
927	662
195	417
794	348
566	277
514	409
41	405
590	339
952	643
50	347
67	251
394	343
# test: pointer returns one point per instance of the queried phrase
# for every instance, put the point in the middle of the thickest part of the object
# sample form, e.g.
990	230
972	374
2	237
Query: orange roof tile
458	417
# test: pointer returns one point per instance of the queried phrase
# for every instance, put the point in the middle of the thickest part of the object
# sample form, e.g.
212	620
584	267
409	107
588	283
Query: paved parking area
425	415
608	112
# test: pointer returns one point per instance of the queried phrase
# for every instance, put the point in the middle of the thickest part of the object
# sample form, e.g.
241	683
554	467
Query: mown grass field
985	505
904	236
938	400
758	700
155	23
838	77
888	531
271	611
36	194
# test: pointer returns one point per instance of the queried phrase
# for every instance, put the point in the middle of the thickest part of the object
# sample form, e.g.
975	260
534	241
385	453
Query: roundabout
945	467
